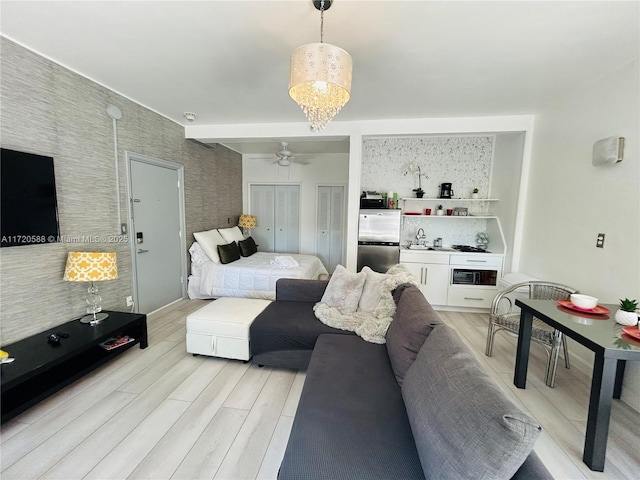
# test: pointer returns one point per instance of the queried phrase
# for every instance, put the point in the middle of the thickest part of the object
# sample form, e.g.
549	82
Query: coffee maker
445	190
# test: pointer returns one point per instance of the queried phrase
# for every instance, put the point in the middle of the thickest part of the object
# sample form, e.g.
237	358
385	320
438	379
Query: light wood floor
162	413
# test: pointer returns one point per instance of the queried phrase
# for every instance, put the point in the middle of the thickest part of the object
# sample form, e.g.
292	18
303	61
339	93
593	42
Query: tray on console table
41	369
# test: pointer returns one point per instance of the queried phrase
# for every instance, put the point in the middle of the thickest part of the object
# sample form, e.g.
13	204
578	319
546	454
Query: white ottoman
221	328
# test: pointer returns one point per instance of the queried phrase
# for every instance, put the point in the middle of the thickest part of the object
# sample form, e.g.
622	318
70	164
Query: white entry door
156	225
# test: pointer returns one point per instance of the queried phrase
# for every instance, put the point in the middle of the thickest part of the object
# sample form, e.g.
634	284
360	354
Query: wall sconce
608	151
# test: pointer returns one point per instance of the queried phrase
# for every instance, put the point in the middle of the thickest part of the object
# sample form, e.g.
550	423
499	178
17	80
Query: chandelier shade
320	81
320	77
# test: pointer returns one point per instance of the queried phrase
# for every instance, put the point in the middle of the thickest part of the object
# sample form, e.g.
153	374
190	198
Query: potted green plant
419	192
626	314
474	193
440	210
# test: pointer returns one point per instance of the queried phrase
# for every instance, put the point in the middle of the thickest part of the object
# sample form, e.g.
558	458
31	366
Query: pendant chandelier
320	77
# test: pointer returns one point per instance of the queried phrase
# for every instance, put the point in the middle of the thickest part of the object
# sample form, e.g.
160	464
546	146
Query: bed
254	276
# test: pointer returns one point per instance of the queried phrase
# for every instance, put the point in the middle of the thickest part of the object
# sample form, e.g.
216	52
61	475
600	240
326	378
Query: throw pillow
232	234
344	290
229	252
412	323
463	424
247	247
371	293
209	242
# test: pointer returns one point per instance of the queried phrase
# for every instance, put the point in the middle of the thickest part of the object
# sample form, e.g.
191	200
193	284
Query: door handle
140	250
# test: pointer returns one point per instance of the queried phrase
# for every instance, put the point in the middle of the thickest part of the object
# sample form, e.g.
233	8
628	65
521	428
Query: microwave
467	276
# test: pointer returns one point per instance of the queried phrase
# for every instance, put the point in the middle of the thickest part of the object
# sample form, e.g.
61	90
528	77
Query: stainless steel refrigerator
378	239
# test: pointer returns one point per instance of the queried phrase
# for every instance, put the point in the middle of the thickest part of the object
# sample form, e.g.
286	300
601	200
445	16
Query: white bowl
584	301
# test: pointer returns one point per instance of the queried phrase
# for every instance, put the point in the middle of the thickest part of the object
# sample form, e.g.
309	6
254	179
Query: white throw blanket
285	261
371	326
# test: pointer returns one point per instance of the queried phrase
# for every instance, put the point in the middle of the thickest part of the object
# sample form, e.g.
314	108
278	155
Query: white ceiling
228	61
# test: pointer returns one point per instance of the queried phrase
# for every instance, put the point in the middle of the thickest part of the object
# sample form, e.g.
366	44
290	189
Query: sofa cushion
285	326
344	290
371	293
412	323
351	422
463	424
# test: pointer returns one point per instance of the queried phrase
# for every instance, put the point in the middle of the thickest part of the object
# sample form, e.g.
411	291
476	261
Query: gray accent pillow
344	290
412	323
463	424
247	247
229	253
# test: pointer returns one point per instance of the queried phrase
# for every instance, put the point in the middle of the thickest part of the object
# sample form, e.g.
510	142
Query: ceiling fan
285	157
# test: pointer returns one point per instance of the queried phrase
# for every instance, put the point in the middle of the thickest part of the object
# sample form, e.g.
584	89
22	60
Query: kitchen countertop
444	250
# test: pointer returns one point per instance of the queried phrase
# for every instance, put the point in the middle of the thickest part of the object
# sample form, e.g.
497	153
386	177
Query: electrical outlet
600	240
129	300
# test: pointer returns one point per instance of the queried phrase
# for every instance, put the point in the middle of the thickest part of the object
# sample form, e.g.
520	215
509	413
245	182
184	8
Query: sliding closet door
276	208
262	206
287	235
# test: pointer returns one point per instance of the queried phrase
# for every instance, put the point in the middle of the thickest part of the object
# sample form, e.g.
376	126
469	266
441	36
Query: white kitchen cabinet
471	297
276	208
432	272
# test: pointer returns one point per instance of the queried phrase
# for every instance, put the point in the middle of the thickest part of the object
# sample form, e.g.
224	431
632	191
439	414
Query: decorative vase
419	194
440	212
475	195
626	318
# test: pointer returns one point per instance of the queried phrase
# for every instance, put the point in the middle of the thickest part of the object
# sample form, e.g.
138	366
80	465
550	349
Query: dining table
612	344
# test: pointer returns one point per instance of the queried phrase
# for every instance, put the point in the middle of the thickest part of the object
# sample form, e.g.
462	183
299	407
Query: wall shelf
415	199
449	216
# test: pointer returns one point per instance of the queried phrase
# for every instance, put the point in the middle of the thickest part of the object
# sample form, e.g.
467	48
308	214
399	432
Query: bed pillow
233	234
371	294
229	252
344	290
247	247
209	242
464	426
198	257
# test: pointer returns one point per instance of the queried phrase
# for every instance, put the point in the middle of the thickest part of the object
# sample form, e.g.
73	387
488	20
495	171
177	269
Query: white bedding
249	277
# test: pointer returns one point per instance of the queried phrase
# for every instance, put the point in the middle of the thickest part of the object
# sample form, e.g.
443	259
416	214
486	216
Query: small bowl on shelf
586	302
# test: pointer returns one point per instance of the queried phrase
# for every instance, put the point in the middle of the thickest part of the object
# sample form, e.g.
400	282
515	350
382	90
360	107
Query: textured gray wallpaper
49	110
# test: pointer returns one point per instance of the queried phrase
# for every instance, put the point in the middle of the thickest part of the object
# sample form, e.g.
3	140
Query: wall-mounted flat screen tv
29	205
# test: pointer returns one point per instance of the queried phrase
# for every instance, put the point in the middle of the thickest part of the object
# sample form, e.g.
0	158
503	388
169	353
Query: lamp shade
247	221
320	81
90	267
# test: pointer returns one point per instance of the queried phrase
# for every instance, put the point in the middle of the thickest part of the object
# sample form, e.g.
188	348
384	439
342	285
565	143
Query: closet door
337	226
330	225
287	219
263	207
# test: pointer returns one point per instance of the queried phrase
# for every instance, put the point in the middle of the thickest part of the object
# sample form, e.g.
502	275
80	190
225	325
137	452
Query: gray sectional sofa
419	406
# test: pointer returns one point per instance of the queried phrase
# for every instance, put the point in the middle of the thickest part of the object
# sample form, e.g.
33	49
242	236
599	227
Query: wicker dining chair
505	316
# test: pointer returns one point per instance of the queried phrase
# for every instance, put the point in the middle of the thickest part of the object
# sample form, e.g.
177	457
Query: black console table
41	369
